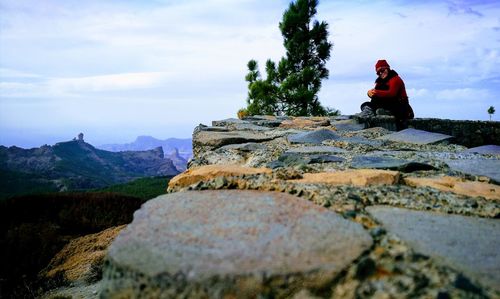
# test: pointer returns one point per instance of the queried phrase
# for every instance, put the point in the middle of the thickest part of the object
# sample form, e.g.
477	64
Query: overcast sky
120	68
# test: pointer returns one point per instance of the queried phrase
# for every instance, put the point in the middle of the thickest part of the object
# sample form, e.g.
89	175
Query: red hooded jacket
391	93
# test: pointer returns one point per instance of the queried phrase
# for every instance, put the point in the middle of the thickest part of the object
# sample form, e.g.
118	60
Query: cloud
462	8
106	82
418	92
461	94
10	73
75	86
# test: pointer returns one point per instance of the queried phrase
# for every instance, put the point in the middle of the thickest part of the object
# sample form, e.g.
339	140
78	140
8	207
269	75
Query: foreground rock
464	243
230	244
205	173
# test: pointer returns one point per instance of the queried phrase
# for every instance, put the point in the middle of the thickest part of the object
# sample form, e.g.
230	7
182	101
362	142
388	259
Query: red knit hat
381	64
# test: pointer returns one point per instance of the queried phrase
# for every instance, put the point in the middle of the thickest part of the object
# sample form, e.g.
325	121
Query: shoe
382	111
366	112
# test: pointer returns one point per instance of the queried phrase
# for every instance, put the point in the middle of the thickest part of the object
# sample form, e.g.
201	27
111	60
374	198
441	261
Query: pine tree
291	87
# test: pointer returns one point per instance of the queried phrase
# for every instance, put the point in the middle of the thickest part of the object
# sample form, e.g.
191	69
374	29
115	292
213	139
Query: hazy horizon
115	70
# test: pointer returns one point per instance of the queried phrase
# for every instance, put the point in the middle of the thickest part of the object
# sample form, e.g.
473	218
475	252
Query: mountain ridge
145	142
76	165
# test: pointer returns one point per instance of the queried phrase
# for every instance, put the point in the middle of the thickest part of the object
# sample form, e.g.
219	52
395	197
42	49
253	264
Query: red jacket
396	89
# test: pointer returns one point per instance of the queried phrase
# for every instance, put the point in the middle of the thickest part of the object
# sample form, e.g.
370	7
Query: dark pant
396	108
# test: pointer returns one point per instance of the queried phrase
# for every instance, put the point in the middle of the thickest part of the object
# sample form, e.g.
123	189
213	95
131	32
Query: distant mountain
179	161
181	147
75	165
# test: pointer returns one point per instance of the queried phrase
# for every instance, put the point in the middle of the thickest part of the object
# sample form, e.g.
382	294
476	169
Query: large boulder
229	243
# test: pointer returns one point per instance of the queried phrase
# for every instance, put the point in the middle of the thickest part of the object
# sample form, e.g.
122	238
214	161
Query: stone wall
317	208
466	132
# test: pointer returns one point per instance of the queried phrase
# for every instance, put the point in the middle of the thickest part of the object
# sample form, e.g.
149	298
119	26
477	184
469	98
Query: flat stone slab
247	127
218	139
483	167
416	136
382	162
348	125
245	147
293	159
468	244
214	129
228	121
318	149
485	149
362	140
229	243
266	120
315	137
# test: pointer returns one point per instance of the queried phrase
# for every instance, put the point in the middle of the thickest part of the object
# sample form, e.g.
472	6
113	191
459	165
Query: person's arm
395	85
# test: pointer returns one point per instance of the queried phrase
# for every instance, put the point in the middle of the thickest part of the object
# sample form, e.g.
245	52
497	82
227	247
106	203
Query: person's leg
368	109
401	124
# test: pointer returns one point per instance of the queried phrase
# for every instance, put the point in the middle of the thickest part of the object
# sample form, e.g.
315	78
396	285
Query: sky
117	69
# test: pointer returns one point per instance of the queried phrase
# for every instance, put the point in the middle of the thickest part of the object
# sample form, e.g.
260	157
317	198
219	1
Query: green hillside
144	188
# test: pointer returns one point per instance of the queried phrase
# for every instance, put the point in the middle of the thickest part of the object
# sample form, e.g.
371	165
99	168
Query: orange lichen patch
268	117
379	250
456	185
208	172
381	272
298	123
359	177
366	221
81	257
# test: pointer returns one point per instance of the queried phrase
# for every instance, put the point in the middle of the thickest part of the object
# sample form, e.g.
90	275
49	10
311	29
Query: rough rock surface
470	244
456	185
208	172
315	137
218	139
318	149
362	177
335	169
223	243
300	123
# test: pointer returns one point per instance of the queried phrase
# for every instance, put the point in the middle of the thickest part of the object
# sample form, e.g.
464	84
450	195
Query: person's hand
371	92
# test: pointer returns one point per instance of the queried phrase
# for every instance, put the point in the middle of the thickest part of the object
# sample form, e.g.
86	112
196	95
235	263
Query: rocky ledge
316	208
